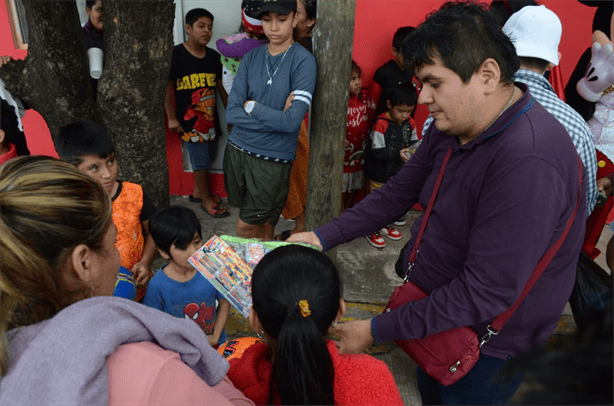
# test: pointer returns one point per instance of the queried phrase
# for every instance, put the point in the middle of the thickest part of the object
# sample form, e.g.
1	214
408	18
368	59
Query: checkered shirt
580	133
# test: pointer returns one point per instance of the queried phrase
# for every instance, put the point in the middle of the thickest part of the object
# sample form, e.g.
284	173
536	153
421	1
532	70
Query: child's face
200	32
95	15
401	112
398	58
278	27
355	82
102	170
304	24
180	257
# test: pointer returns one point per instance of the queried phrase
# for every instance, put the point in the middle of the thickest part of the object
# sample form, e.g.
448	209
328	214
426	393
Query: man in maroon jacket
509	188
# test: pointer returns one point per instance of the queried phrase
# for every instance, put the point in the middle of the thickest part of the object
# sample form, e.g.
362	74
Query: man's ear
549	67
388	104
2	136
81	262
311	22
341	311
489	75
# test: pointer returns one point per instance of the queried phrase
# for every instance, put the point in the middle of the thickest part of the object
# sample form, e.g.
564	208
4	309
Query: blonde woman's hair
47	208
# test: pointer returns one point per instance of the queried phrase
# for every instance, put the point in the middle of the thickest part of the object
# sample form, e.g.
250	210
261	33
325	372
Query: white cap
536	32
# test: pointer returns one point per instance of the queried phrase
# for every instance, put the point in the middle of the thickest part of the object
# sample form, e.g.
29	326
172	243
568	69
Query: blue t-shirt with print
194	299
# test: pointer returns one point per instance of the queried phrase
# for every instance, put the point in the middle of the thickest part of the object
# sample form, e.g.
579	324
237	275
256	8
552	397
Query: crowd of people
501	167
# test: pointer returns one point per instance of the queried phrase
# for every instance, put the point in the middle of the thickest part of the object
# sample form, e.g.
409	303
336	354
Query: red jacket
360	379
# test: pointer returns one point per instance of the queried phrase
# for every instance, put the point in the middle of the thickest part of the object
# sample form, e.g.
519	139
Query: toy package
227	262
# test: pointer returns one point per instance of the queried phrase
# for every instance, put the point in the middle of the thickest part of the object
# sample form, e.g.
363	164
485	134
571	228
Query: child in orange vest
89	147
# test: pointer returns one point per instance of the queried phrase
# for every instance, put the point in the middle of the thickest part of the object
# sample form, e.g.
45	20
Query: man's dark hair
399	37
75	141
90	3
534	63
193	15
463	35
403	94
503	9
174	225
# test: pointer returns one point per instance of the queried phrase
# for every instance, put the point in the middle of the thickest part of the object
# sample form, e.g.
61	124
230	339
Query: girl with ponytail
296	295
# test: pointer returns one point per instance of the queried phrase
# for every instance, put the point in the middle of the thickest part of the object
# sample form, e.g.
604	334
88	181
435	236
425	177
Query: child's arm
223	93
378	140
141	269
220	321
169	106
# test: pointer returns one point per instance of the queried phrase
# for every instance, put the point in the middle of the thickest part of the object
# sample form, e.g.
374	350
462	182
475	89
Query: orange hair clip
304	305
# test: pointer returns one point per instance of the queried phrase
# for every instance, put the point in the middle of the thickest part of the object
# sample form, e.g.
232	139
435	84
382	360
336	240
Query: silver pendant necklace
266	62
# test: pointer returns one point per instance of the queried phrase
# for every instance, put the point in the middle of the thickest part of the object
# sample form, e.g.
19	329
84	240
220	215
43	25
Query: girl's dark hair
311	8
174	225
78	140
355	67
403	94
302	368
90	3
463	35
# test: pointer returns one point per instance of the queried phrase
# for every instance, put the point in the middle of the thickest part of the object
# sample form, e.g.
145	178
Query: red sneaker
376	240
391	233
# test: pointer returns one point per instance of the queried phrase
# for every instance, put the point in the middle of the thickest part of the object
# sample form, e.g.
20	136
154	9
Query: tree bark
54	80
334	35
138	39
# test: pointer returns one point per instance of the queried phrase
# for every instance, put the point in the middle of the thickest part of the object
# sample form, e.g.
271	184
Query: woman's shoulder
145	373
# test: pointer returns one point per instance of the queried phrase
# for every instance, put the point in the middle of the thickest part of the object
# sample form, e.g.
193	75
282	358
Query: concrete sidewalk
368	281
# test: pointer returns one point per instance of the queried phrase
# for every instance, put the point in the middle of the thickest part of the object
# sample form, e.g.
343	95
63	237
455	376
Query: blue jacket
270	131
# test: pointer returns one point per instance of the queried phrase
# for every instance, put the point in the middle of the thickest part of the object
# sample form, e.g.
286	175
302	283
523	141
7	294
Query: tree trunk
334	35
138	39
54	80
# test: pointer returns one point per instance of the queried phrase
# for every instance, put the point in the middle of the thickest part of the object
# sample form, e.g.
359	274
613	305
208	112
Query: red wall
376	22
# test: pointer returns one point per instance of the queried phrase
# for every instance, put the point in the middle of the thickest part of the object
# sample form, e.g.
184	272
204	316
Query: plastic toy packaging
228	262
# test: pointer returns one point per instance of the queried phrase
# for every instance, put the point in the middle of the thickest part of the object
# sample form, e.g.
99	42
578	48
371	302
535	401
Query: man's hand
308	237
354	336
404	157
605	184
289	101
4	59
140	272
173	125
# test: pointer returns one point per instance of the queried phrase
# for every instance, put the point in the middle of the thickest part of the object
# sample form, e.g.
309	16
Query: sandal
193	199
283	236
216	211
216	199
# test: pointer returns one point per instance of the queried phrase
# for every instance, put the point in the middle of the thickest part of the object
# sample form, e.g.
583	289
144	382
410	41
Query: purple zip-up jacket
504	200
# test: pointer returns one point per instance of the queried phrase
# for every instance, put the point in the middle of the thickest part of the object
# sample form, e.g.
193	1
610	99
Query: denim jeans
481	386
